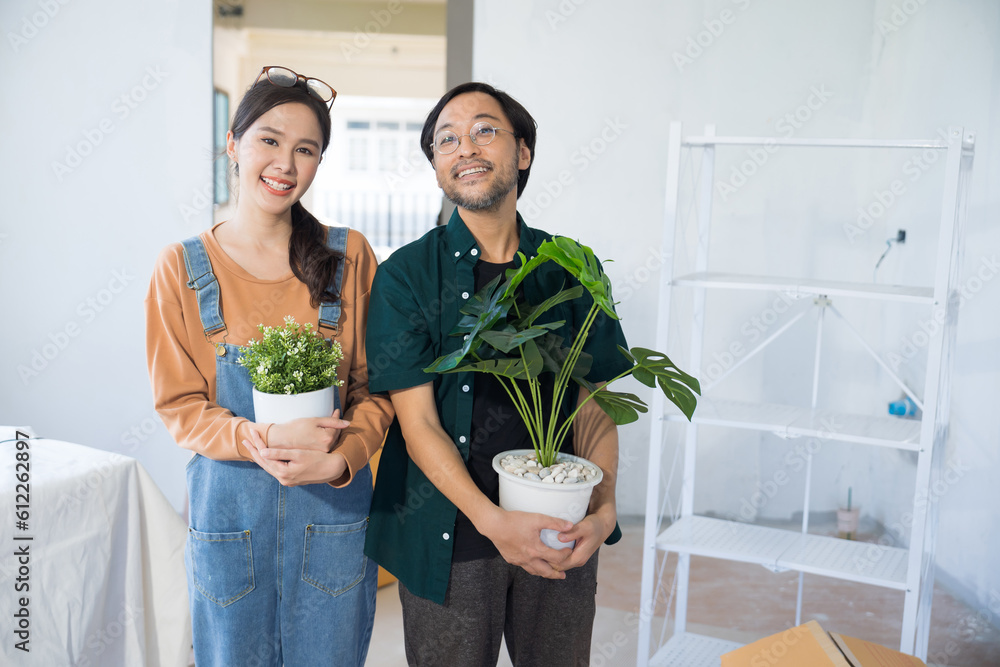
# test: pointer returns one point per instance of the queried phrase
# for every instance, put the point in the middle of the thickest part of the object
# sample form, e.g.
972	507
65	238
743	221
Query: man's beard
505	180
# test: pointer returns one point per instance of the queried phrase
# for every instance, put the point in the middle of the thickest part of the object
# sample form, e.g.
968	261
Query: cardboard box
809	645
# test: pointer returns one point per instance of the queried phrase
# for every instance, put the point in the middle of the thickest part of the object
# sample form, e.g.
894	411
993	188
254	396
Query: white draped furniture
106	565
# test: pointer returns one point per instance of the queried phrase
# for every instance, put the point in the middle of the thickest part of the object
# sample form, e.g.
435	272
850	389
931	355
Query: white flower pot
281	408
563	501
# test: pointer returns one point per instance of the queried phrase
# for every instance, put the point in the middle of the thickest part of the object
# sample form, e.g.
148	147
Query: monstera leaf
503	337
621	407
530	313
655	368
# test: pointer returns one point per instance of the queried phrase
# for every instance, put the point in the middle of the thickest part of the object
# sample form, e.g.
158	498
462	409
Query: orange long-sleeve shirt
182	362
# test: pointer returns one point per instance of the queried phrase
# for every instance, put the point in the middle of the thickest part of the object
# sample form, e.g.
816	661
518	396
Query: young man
471	572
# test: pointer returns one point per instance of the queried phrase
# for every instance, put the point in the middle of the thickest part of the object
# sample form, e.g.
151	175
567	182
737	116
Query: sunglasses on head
286	78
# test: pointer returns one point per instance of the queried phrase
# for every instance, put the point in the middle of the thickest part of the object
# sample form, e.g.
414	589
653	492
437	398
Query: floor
742	602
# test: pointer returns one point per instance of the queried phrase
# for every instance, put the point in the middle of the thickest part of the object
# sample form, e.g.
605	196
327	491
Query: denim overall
276	575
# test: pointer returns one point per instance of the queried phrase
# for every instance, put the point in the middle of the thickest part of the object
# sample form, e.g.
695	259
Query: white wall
613	75
379	65
78	242
107	116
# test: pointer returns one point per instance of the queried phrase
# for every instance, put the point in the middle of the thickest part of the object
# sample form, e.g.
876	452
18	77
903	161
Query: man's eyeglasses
286	78
446	141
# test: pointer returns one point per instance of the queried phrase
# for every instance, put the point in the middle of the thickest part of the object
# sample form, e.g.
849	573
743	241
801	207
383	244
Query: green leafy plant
504	337
291	359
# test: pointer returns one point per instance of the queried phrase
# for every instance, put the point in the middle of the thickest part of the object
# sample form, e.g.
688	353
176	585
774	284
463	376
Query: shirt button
461	438
466	337
465	387
465	295
457	253
445	536
474	252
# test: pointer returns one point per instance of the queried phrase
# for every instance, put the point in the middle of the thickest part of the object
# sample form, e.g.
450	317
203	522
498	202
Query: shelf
815	143
787	421
691	650
689	230
801	287
779	550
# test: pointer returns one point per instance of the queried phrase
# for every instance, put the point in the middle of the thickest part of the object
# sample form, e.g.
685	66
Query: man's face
479	178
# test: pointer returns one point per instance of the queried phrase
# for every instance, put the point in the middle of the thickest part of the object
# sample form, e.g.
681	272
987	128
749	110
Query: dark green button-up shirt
415	304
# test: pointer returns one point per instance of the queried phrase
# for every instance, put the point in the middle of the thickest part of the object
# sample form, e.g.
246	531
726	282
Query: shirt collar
459	240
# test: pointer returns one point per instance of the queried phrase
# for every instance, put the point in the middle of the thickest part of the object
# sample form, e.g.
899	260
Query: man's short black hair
524	124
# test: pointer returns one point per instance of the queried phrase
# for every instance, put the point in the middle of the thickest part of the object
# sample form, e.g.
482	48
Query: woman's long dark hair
311	260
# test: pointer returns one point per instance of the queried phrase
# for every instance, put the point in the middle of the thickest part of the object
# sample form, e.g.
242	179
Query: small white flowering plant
291	359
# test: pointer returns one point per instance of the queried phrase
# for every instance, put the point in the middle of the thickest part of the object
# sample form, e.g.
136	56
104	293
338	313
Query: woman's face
278	157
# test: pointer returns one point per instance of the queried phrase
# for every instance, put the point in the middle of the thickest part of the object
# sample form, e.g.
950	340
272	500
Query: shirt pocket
334	560
222	565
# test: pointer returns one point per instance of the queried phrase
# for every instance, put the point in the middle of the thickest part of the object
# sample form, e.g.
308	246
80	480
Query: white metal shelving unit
911	569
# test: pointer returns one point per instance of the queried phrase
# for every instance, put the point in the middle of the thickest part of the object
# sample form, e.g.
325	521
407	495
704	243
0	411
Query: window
220	126
375	178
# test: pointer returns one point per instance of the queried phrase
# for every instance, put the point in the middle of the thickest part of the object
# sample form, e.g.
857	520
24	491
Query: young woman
278	512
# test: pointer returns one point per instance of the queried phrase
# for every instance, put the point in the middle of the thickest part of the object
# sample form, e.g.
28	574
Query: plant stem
536	399
569	421
553	441
521	405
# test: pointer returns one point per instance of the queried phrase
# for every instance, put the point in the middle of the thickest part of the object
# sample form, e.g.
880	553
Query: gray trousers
545	622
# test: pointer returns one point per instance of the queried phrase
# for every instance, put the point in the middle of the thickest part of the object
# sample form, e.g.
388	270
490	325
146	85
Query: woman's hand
295	467
318	434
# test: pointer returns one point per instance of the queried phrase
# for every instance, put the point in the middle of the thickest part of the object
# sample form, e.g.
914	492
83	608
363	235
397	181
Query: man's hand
295	467
517	536
589	534
318	434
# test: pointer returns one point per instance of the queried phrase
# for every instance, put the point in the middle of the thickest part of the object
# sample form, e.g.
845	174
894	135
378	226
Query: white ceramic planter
281	408
563	501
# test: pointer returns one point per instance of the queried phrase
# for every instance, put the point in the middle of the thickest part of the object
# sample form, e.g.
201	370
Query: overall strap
329	313
206	287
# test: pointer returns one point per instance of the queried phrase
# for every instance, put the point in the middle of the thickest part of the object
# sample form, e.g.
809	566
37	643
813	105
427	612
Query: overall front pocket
334	560
222	565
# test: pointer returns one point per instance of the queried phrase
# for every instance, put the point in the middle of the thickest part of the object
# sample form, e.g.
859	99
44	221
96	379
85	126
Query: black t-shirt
496	427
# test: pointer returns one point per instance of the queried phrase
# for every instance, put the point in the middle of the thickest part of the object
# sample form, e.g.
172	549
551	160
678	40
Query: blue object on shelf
904	407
